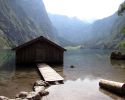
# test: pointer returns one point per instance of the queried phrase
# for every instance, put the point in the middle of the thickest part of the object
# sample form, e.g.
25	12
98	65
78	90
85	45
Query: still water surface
81	82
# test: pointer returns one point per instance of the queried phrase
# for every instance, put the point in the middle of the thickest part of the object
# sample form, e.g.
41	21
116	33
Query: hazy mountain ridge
104	33
22	20
70	29
108	32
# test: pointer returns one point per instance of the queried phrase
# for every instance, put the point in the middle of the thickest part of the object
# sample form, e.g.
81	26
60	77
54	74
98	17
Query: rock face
23	20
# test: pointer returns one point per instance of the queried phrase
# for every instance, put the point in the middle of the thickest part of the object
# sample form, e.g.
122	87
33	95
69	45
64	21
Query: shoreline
38	91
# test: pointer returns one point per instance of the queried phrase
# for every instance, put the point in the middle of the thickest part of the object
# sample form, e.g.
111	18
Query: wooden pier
49	74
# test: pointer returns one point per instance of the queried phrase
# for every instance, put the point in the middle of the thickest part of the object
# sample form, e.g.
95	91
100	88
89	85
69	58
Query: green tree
121	8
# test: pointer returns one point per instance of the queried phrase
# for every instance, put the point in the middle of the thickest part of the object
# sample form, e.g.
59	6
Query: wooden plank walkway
49	74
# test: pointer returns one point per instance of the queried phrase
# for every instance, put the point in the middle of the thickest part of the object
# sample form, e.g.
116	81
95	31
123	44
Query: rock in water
4	98
72	66
41	83
47	84
22	95
39	88
19	99
44	93
33	96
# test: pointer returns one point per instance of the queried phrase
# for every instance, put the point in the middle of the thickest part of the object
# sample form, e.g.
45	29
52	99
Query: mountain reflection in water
81	82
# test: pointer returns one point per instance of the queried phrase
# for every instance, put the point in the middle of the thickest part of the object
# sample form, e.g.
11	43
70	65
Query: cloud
83	9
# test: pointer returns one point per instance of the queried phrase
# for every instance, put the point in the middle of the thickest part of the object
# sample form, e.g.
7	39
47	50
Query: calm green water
81	82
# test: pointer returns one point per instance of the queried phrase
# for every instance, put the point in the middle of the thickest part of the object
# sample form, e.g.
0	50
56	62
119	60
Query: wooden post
115	87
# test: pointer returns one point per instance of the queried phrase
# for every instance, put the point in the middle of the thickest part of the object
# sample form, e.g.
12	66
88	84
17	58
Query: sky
87	10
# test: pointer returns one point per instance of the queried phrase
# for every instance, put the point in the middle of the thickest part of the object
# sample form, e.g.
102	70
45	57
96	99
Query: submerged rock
72	66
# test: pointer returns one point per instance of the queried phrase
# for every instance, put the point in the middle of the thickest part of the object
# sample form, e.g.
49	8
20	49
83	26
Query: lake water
81	82
14	79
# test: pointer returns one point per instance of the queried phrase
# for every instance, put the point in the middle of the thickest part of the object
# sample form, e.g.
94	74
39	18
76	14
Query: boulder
33	96
20	99
41	83
11	99
47	83
117	56
4	98
22	95
38	88
43	93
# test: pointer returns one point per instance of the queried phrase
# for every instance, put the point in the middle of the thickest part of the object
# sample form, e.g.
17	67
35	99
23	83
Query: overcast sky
88	10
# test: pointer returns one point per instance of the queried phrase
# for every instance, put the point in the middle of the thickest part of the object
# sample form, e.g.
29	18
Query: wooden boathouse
39	50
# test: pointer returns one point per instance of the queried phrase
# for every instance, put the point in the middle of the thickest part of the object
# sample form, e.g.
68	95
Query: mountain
102	34
69	29
107	33
23	20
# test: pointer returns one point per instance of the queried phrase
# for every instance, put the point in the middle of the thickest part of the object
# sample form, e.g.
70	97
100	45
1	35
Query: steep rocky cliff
23	20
